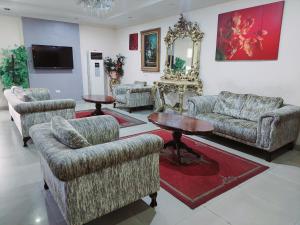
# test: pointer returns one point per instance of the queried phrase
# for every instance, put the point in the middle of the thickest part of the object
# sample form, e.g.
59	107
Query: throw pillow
65	133
23	95
230	104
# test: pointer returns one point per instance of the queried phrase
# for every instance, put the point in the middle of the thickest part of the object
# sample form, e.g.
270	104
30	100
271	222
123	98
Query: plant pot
114	75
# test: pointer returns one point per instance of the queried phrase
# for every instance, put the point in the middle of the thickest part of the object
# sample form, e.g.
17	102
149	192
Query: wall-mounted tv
52	57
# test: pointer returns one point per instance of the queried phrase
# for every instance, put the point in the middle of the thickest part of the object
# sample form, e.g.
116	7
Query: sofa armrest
284	113
76	163
279	127
97	129
44	106
201	104
140	89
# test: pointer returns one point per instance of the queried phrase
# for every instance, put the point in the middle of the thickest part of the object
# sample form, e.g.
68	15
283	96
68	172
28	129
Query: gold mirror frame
183	29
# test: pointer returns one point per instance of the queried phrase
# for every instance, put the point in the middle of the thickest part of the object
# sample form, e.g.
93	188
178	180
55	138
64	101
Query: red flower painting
250	34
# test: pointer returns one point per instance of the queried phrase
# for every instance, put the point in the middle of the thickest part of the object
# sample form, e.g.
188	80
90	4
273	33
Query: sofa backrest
255	106
40	94
140	83
230	104
245	106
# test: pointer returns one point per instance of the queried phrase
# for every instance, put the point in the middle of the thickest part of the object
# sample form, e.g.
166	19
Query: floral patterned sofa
262	122
133	95
88	182
33	106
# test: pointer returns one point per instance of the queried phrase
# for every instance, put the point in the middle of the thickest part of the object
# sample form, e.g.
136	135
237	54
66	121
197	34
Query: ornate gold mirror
183	51
181	73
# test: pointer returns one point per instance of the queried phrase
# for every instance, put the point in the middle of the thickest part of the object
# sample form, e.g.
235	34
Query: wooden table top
104	99
184	124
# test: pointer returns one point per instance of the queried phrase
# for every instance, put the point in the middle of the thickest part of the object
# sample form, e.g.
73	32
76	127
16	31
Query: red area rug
123	120
197	180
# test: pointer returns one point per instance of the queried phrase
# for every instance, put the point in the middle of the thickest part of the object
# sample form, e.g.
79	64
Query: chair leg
114	105
45	185
25	140
130	110
268	156
153	197
12	119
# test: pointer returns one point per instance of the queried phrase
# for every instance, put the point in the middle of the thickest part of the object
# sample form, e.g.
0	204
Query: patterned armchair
33	106
262	122
89	182
133	95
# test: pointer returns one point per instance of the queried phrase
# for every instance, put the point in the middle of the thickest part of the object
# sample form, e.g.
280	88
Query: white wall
270	78
95	38
10	35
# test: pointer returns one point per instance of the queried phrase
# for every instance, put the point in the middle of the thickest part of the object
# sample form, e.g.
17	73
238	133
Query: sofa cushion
65	133
255	106
241	129
229	104
213	117
140	83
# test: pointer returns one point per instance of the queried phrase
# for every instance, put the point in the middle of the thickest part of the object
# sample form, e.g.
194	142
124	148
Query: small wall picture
150	50
250	34
133	42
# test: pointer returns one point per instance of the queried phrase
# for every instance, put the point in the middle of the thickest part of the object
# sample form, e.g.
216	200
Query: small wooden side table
98	100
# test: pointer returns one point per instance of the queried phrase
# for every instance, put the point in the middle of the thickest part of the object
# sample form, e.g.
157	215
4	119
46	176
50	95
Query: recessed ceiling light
7	9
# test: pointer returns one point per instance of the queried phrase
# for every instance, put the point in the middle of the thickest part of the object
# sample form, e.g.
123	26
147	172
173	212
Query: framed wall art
150	50
133	42
250	34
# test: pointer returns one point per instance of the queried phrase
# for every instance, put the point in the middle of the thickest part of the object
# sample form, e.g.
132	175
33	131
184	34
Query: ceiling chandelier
97	7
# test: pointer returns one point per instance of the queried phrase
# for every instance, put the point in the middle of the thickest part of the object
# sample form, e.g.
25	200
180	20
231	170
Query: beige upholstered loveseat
262	122
133	95
92	181
34	106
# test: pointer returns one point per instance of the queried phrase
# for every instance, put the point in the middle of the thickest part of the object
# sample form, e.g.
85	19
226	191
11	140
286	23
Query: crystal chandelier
97	7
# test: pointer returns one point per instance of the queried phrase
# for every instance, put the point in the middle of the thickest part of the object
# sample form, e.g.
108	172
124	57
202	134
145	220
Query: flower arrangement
116	65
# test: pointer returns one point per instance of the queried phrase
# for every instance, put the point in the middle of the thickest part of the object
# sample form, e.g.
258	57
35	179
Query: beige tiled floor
271	198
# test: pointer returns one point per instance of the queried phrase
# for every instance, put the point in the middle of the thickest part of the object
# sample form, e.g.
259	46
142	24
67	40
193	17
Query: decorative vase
114	79
114	75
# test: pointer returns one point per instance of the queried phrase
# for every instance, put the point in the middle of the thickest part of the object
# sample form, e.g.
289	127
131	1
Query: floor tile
278	192
242	208
289	173
203	216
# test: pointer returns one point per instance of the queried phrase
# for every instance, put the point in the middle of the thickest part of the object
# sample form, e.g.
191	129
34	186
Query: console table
181	87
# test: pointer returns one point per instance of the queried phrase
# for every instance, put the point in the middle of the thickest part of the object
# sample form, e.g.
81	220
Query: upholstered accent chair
33	106
92	181
133	95
263	122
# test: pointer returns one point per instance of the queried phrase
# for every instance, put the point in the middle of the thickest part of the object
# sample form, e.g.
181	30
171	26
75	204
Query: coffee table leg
98	110
177	139
178	145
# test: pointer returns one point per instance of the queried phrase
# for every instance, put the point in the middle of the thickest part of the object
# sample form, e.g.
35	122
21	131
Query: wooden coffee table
179	125
98	100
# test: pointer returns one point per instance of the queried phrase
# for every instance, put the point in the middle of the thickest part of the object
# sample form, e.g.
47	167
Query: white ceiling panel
124	13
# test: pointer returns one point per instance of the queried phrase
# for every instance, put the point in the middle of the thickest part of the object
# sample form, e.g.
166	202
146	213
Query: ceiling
125	12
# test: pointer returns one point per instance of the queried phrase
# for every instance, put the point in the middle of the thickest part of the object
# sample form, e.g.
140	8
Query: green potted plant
13	67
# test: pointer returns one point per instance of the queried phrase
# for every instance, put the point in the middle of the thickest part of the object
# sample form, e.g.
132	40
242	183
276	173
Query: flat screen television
52	57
